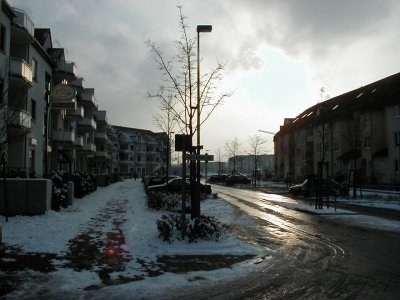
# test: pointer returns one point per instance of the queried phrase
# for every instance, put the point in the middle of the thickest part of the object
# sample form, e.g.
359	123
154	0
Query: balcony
66	67
20	119
78	82
89	147
77	114
21	70
102	155
87	98
24	29
63	136
100	116
79	141
87	124
101	136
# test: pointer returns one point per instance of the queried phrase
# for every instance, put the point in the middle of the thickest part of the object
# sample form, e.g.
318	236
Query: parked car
298	189
237	179
156	180
310	187
217	178
175	185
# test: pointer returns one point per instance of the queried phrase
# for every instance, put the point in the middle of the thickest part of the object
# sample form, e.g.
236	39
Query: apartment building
141	151
50	121
23	91
357	132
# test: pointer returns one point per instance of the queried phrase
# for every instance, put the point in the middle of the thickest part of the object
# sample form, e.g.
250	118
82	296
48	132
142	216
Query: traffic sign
202	157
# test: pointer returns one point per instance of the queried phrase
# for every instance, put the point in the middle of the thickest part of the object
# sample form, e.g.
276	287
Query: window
396	111
32	159
367	142
3	37
139	158
336	147
33	109
397	138
396	166
34	69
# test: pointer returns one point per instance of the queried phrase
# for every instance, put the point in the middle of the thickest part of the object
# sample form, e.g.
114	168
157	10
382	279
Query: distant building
358	131
141	151
246	164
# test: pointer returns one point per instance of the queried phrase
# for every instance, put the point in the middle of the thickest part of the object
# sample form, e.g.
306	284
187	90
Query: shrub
59	190
84	184
204	227
166	201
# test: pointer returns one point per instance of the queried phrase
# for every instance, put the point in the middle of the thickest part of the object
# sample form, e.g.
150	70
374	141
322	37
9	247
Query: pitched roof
374	96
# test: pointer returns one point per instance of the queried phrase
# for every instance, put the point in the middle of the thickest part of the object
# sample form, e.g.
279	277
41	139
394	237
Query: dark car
311	186
175	185
156	180
217	178
237	179
299	189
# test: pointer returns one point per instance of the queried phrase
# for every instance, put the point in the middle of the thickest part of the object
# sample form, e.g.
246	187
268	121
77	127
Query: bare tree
178	81
257	146
166	121
232	148
353	136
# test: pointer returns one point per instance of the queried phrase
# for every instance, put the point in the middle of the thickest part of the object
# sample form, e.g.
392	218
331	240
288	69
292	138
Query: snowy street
106	246
108	242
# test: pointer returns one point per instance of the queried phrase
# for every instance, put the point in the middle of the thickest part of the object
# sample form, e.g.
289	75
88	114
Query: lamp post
168	154
6	204
206	163
200	28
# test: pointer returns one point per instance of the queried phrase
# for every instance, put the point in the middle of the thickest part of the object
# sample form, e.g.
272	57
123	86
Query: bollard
70	192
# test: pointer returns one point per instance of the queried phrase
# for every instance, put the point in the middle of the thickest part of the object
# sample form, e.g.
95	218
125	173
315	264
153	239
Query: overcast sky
279	54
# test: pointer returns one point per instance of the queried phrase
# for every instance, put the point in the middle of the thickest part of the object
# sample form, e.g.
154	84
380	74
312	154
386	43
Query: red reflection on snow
115	245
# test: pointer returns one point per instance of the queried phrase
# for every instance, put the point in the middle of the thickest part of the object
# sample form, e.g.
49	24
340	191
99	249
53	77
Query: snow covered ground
49	233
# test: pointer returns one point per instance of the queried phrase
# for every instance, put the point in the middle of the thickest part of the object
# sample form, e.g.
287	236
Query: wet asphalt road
311	257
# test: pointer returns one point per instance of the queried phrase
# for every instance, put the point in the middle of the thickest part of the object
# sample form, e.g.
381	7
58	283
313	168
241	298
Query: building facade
50	121
357	132
141	152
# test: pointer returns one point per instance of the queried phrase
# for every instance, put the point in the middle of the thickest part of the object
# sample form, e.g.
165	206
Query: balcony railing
21	119
21	69
67	67
100	116
79	141
90	147
102	154
78	82
64	136
77	114
87	97
24	21
101	136
88	123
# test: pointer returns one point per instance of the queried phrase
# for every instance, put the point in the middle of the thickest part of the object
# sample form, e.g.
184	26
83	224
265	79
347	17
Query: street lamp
168	155
200	28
